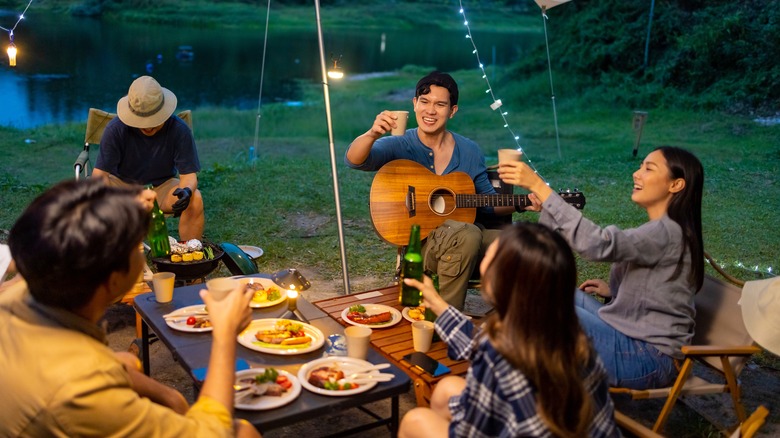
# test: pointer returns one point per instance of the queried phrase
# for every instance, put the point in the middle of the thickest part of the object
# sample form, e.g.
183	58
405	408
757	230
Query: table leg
145	347
394	416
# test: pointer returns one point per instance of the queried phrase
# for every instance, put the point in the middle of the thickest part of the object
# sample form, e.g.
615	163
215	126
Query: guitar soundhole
442	202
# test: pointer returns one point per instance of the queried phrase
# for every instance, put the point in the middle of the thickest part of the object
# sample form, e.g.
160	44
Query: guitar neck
476	201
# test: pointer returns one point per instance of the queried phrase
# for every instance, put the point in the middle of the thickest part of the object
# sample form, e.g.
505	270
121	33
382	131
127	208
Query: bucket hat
761	312
146	105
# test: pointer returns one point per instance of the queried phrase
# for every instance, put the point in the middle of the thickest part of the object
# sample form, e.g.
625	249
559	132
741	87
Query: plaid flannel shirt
498	400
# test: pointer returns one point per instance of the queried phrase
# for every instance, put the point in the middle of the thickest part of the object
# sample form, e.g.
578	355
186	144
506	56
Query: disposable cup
358	339
162	283
422	334
505	155
401	118
219	288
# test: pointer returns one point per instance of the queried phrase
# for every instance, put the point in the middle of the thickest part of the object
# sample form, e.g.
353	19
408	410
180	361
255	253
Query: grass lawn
285	203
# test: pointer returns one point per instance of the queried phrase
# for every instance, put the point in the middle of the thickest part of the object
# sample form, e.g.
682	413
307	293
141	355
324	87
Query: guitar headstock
575	198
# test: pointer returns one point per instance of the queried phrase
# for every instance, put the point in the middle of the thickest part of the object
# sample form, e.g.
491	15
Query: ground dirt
710	416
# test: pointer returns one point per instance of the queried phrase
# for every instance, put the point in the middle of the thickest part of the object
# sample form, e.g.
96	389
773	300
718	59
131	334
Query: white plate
181	323
348	364
267	283
373	309
264	402
406	315
248	340
254	252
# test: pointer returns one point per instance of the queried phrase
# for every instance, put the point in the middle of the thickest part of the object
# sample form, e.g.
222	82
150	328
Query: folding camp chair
747	429
96	124
721	342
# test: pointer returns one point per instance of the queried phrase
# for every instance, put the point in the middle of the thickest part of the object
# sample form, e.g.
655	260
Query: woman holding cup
533	371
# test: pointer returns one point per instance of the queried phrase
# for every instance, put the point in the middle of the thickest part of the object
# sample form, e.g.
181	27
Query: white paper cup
422	334
505	155
219	288
162	283
358	339
400	121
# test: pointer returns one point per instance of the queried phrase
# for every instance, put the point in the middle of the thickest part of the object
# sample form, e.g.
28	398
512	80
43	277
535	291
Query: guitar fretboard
475	201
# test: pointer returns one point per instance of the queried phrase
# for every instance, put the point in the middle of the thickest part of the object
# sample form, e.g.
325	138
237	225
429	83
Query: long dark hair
685	207
535	327
72	237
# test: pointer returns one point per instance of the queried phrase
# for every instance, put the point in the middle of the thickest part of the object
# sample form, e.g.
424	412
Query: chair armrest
718	350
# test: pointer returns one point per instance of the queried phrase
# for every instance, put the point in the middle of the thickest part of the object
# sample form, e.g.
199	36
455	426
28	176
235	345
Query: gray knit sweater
648	304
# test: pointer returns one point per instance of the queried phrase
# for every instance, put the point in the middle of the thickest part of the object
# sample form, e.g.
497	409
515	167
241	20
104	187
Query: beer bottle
158	233
411	267
429	315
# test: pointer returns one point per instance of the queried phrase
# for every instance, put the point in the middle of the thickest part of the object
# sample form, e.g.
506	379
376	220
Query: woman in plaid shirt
533	371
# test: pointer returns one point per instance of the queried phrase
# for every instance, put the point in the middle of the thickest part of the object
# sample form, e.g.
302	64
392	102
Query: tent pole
552	91
326	96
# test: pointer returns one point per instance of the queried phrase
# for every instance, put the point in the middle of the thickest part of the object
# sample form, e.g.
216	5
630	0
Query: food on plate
329	378
358	314
176	258
263	295
416	313
186	257
197	255
286	333
270	383
203	322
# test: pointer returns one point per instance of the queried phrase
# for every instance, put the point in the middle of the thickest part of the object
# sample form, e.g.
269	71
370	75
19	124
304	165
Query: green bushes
715	55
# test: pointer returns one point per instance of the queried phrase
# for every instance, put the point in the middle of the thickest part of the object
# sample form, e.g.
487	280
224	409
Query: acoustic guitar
404	193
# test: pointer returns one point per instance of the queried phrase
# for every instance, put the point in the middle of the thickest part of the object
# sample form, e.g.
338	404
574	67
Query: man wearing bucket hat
760	304
146	144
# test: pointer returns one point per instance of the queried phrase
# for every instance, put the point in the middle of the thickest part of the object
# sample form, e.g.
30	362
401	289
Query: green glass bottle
411	267
158	233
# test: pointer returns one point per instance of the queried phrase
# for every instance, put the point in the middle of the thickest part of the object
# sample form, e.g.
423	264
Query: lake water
67	65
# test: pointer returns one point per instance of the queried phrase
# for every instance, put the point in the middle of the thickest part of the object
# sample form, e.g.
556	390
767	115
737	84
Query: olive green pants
453	250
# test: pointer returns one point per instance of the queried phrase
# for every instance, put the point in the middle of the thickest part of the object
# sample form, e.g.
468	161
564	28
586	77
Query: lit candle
292	299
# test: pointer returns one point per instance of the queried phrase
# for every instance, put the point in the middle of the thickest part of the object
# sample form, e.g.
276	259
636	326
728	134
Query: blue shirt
133	157
498	400
466	157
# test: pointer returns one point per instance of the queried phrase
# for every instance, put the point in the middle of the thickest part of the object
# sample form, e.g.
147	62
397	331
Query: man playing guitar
454	248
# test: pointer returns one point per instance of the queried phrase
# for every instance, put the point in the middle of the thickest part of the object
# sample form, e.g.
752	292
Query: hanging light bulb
335	72
12	52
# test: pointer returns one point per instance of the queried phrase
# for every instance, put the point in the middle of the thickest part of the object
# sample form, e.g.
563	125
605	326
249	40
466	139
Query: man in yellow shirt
77	247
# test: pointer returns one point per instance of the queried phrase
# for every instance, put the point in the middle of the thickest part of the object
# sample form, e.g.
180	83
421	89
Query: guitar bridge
411	203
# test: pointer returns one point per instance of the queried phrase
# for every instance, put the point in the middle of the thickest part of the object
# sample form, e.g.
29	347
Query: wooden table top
393	342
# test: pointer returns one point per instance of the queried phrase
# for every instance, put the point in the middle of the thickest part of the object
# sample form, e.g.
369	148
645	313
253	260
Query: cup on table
219	288
505	155
162	283
422	335
358	339
401	118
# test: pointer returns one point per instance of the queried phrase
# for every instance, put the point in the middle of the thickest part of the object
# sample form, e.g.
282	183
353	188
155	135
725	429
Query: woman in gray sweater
656	268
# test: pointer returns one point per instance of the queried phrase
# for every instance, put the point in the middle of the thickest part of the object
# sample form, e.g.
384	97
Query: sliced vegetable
269	375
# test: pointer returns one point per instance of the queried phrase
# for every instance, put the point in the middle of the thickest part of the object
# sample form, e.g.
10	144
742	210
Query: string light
12	50
758	269
496	103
